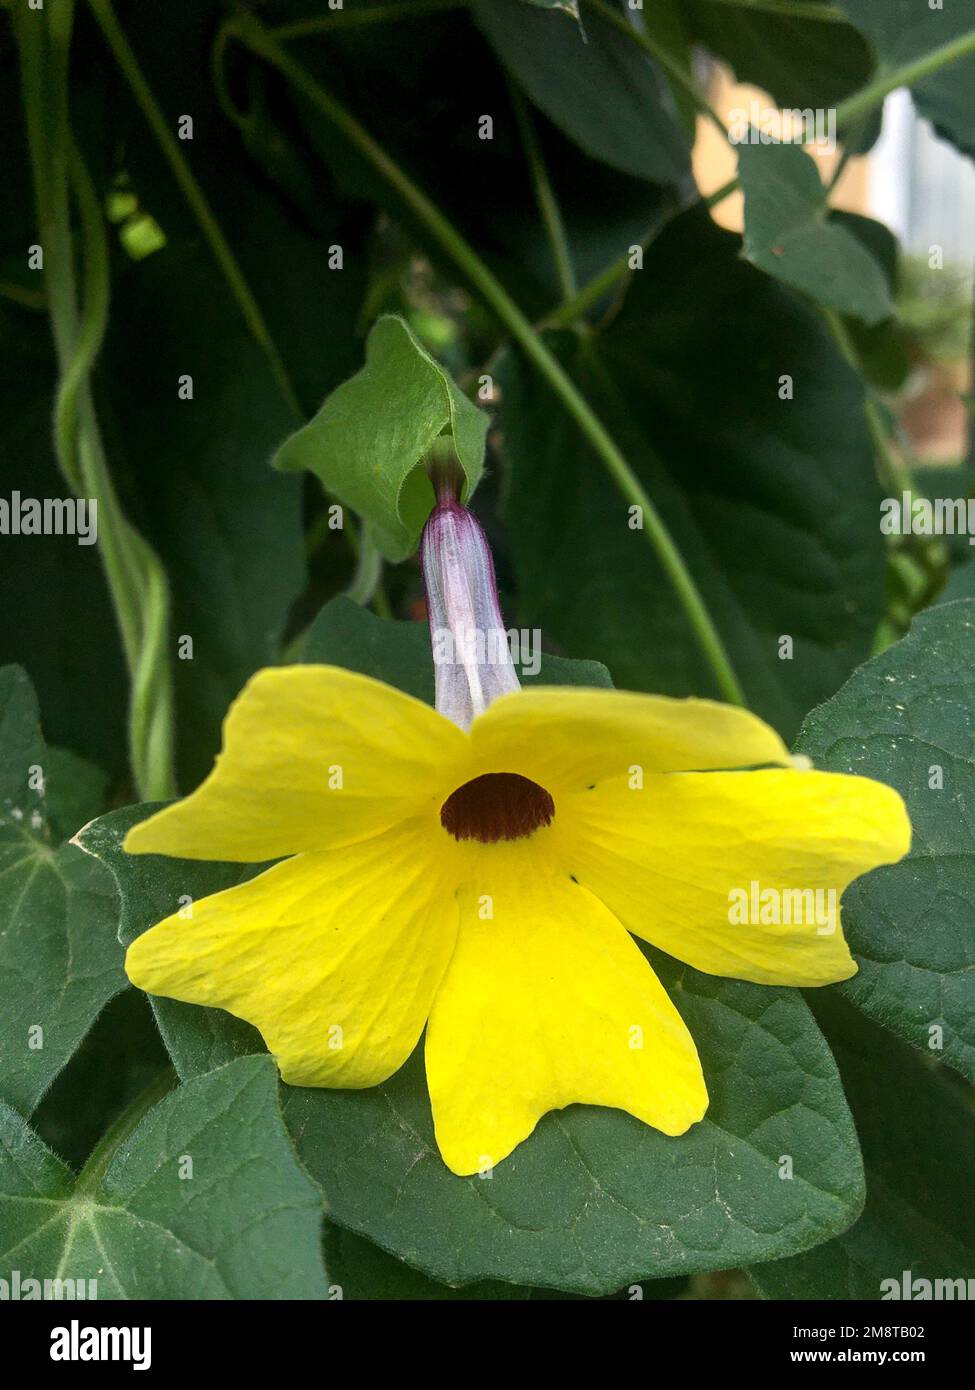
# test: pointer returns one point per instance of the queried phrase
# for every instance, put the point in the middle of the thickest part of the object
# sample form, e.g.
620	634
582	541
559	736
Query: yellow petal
565	738
545	1003
312	756
335	957
672	861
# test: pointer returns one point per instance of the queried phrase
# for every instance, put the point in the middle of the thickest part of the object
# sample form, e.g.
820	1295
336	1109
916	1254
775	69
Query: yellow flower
477	869
484	883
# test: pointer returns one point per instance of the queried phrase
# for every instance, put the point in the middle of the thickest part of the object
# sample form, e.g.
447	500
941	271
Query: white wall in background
921	186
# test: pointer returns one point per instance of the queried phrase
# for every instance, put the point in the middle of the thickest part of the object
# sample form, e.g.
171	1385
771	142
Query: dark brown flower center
497	806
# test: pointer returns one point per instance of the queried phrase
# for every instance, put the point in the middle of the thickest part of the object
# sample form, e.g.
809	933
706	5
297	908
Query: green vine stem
544	195
868	98
261	42
136	580
572	310
607	279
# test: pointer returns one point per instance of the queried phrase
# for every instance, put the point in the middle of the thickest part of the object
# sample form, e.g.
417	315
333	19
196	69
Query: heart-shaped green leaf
788	234
908	718
364	1272
203	1199
59	958
625	117
371	434
801	60
595	1200
918	1137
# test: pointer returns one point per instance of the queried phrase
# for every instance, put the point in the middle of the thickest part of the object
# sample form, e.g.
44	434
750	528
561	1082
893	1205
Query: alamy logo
496	646
50	516
773	125
756	906
908	515
927	1290
21	1288
77	1343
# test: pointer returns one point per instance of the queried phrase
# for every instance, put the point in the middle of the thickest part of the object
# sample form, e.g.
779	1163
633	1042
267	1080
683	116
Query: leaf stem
871	96
253	34
725	191
544	195
788	9
839	170
610	276
891	471
101	1156
368	571
373	14
20	294
192	192
570	310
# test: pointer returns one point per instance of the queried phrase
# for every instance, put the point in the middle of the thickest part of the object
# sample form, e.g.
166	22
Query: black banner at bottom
173	1338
